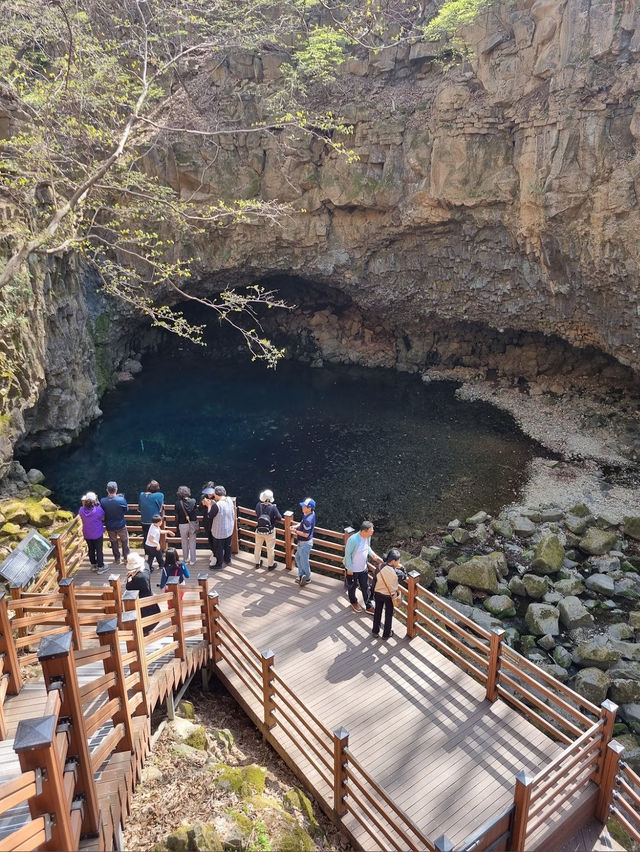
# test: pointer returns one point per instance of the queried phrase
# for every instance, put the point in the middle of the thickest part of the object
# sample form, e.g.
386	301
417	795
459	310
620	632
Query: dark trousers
154	553
96	553
382	602
359	578
145	531
221	550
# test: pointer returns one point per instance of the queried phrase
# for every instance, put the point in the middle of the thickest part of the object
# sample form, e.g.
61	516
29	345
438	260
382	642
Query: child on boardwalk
173	567
152	543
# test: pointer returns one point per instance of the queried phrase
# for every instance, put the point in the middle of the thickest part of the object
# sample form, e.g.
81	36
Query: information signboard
26	559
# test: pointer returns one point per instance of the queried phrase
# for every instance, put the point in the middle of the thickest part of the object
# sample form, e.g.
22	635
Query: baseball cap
309	502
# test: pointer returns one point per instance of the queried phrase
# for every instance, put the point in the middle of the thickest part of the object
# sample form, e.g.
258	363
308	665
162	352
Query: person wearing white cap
92	516
267	514
304	533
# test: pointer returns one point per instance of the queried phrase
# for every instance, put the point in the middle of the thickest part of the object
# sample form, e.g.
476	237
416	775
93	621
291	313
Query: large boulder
624	691
542	619
631	715
478	573
500	605
625	669
597	542
425	569
523	527
573	613
548	556
597	652
593	684
534	585
632	526
570	586
627	650
600	583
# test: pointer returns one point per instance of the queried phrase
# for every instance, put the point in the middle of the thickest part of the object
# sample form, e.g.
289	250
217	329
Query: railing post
68	592
608	712
129	621
493	670
107	632
340	746
443	844
203	583
116	587
131	603
16	591
612	757
268	691
288	541
412	593
235	540
214	615
58	665
61	567
35	745
176	617
8	648
521	800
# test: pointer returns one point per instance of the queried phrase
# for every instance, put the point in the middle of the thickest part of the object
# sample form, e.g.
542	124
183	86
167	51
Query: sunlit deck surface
417	723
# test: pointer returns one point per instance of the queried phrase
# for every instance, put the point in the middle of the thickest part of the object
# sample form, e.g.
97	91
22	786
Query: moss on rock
186	710
197	739
244	781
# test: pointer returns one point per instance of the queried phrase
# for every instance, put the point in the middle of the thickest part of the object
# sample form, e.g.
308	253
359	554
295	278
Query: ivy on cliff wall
90	83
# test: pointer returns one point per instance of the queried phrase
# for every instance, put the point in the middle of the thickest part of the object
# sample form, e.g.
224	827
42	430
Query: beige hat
266	496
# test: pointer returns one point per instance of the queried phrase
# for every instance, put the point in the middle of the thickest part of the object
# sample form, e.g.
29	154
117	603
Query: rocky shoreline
563	583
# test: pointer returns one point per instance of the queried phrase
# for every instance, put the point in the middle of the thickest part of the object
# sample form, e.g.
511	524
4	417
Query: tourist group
216	512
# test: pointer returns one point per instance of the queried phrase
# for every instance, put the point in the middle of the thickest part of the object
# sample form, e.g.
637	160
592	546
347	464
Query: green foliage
452	16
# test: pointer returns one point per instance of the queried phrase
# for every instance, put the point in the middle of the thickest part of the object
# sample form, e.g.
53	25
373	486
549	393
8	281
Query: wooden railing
620	792
340	782
142	647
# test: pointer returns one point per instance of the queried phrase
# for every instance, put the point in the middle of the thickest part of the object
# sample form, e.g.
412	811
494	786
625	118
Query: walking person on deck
356	554
115	507
303	531
267	514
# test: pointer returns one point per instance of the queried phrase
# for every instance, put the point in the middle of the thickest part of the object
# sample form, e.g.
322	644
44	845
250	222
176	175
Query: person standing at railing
115	507
267	514
150	503
187	523
208	492
222	517
92	516
303	531
357	552
385	589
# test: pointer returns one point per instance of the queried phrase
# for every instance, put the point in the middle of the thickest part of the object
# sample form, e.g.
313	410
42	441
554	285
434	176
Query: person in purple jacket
92	516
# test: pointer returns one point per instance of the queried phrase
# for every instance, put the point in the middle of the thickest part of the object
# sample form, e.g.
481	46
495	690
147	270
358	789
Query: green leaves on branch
451	19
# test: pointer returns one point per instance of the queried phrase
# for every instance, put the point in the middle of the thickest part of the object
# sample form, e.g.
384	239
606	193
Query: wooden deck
418	724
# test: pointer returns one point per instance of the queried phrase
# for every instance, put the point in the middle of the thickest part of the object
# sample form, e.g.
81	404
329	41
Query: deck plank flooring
418	724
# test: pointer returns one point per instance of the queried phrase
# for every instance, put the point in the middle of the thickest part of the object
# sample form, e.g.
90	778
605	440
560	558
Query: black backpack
264	525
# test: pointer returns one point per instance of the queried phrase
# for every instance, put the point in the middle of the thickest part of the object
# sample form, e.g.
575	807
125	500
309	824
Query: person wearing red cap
304	534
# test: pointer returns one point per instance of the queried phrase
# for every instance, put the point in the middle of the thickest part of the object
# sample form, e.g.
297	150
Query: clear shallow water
364	443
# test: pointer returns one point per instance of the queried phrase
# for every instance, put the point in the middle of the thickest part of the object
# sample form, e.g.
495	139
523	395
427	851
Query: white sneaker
212	561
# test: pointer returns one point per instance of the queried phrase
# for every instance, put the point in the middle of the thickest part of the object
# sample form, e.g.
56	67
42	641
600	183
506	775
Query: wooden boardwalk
418	724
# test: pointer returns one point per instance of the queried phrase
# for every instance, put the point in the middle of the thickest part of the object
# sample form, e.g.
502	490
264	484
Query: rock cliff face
490	225
493	213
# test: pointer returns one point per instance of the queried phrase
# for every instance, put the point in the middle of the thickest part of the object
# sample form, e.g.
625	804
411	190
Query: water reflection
364	443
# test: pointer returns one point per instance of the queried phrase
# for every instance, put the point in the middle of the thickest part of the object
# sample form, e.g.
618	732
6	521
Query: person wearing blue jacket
357	552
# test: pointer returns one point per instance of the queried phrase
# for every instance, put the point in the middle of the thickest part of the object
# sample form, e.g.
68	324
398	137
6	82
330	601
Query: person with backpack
187	523
220	518
173	567
385	591
267	514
